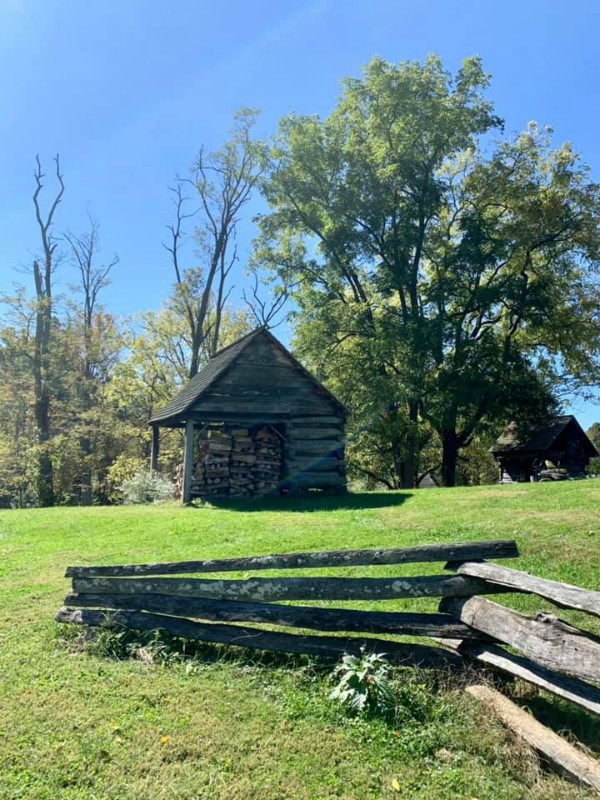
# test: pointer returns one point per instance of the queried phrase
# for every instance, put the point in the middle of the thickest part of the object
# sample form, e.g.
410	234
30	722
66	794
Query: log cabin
556	448
256	423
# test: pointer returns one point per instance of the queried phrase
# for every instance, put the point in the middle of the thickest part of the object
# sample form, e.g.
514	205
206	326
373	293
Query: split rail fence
550	653
467	628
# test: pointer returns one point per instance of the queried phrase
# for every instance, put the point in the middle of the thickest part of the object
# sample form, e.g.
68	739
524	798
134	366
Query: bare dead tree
264	310
223	182
43	270
93	277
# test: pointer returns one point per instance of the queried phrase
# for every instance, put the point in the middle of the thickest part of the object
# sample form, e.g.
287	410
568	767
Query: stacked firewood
266	470
178	481
234	462
211	475
241	463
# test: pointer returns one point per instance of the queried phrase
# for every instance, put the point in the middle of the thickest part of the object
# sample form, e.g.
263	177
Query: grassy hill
76	723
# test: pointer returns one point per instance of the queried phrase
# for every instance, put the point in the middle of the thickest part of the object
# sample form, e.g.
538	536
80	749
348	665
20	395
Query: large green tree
444	273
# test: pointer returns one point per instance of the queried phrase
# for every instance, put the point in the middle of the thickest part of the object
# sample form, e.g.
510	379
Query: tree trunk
43	333
450	448
410	462
45	478
405	451
85	443
85	497
399	466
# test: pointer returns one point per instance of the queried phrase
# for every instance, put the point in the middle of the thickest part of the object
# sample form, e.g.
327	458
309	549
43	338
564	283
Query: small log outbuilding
558	446
256	422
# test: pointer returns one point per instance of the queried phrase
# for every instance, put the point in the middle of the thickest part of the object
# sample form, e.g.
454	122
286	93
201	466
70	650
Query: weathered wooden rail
465	551
551	655
147	596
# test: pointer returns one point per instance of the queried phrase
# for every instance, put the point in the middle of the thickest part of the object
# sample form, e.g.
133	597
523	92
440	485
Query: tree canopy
444	274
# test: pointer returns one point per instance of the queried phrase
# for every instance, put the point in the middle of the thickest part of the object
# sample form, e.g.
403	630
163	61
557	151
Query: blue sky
127	90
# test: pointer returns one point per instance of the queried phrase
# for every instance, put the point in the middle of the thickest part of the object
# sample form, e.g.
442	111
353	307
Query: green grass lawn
76	723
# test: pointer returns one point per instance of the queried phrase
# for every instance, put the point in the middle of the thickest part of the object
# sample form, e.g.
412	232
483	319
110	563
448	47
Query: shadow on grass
566	721
417	689
313	501
161	648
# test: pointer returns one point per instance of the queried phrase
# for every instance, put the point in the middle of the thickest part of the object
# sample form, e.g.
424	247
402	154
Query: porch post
154	450
188	461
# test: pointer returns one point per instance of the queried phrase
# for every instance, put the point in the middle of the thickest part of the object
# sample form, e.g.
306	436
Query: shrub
146	487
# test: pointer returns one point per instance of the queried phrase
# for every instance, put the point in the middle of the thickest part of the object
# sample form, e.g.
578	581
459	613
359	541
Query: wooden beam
321	619
306	434
558	753
244	418
315	480
328	558
267	404
561	594
319	420
575	691
269	589
547	640
325	646
155	449
318	463
188	461
325	447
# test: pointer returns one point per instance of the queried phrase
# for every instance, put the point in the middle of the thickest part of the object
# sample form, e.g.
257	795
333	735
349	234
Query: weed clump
364	686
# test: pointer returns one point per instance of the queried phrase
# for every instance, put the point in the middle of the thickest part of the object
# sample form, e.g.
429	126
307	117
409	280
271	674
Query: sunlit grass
80	725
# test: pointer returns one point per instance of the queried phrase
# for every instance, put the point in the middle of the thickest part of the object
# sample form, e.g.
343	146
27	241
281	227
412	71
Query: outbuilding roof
541	438
218	365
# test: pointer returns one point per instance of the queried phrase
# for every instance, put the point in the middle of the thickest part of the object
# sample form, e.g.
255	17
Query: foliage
115	642
453	276
123	468
364	686
593	434
146	486
78	385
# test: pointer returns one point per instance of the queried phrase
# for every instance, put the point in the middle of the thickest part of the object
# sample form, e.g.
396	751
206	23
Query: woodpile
211	471
553	474
235	462
266	470
242	461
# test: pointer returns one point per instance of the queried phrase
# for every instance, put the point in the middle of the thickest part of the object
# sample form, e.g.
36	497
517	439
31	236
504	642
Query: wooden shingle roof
218	365
193	390
540	438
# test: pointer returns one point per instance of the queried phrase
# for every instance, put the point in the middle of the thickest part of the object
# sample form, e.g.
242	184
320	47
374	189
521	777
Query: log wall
264	387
